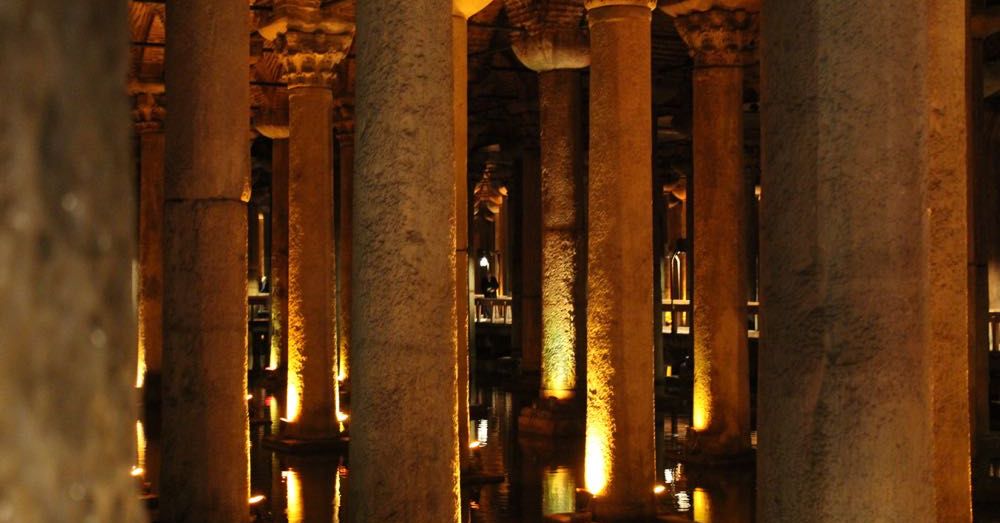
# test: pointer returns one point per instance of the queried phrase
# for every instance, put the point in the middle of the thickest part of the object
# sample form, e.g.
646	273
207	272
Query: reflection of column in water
722	495
702	506
294	505
313	491
140	445
558	491
275	413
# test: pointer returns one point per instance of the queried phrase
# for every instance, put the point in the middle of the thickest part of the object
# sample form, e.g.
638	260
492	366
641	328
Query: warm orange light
558	491
342	416
136	471
659	489
256	499
702	506
248	397
598	458
475	444
294	511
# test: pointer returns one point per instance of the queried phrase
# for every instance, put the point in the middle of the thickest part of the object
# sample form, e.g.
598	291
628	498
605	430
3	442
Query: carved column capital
553	35
310	40
148	111
719	37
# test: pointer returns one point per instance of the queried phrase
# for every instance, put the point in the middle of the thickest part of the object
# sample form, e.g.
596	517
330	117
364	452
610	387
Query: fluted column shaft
721	419
205	469
619	448
404	251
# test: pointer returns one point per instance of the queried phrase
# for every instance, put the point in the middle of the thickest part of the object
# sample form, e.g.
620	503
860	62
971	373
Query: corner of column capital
148	110
552	37
719	36
678	8
311	40
596	4
468	8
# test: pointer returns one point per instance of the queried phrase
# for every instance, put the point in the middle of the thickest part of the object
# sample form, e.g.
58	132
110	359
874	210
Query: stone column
205	470
344	131
867	283
148	114
67	370
404	252
279	252
719	39
620	459
272	121
555	46
312	41
462	10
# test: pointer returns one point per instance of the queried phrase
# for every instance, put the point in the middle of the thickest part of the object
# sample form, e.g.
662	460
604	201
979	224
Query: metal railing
497	310
677	317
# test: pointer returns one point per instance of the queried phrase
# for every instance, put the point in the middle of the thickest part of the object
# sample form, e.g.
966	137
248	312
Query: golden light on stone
140	446
140	371
702	506
293	484
558	491
701	413
293	399
256	499
597	463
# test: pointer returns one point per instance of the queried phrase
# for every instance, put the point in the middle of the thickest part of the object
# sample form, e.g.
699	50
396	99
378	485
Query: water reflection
523	479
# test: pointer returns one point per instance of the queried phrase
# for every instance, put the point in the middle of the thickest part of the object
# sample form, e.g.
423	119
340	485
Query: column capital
468	8
553	36
270	118
310	40
594	4
148	111
718	37
343	118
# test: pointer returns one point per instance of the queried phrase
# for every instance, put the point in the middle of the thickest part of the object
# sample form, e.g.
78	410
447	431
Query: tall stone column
148	114
462	10
554	45
279	252
271	120
404	271
312	41
620	463
867	283
205	470
344	131
67	370
719	39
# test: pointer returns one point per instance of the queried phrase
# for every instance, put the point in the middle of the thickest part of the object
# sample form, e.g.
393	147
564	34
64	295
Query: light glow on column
701	414
702	506
598	457
294	505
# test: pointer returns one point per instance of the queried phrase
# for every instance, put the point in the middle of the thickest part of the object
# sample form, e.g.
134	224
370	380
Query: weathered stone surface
865	302
312	319
205	470
67	227
562	230
552	37
279	251
404	303
718	41
620	461
151	157
205	475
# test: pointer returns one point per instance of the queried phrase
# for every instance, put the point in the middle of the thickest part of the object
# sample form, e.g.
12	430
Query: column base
312	445
552	418
151	392
605	511
702	449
